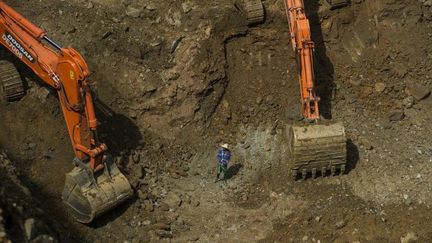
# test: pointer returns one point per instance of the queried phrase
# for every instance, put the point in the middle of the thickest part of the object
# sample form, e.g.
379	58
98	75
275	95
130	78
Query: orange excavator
95	185
319	147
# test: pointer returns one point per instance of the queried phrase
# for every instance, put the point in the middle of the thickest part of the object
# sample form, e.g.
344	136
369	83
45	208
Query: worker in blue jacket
223	157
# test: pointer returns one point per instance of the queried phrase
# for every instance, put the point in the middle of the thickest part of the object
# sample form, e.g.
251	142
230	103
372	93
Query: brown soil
164	109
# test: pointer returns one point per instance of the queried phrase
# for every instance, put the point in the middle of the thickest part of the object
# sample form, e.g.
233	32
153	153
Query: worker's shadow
324	70
353	156
233	171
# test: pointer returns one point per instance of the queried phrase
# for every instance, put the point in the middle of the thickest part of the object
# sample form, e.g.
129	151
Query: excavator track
318	149
334	4
255	13
11	83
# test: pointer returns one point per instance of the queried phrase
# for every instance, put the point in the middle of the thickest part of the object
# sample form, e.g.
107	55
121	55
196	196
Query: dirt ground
174	79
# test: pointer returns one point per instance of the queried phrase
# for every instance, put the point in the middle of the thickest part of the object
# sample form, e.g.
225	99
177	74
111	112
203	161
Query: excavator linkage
317	148
89	195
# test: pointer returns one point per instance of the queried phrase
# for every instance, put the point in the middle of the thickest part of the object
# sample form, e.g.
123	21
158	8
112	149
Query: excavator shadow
353	156
118	131
122	136
324	69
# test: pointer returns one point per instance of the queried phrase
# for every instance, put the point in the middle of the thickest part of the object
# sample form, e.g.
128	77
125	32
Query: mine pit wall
355	33
196	84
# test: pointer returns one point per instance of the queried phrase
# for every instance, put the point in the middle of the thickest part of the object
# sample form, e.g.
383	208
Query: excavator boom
314	148
303	45
66	71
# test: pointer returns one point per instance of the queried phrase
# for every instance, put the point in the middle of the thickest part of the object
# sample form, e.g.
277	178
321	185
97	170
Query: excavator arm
303	46
314	148
66	71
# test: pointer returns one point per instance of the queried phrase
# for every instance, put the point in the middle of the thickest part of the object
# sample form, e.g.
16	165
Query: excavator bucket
255	12
317	148
334	4
89	195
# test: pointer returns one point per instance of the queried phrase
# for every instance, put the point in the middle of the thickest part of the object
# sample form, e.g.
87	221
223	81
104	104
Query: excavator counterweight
95	185
314	148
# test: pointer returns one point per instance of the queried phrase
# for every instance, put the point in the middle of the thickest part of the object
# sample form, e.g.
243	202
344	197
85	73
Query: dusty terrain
174	79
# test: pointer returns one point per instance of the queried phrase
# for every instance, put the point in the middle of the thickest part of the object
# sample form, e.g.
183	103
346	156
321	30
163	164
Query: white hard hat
225	146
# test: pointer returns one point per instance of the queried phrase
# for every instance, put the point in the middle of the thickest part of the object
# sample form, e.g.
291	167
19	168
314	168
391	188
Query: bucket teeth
323	171
294	174
304	174
342	169
314	172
